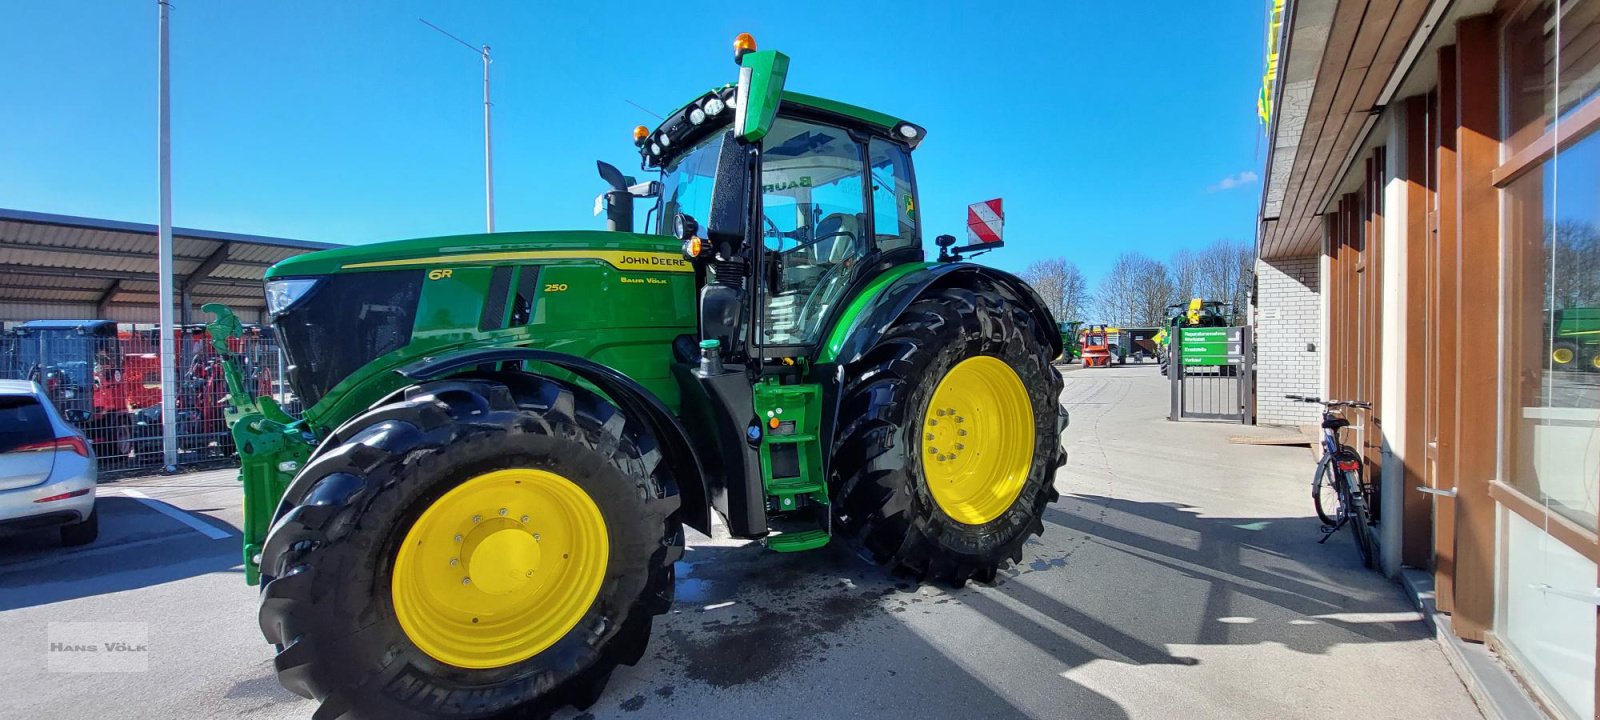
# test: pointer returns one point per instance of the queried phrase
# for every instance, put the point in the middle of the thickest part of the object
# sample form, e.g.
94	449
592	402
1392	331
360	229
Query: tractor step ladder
791	461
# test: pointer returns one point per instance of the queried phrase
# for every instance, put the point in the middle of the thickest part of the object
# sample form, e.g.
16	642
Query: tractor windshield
686	183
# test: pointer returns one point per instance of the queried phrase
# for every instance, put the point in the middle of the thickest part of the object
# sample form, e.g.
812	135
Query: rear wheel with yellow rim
476	548
1563	354
950	436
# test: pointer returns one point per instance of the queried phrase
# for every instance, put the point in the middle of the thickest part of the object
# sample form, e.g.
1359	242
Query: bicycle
1339	490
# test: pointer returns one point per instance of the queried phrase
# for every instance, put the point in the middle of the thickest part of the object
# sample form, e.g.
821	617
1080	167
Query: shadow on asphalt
138	547
1118	580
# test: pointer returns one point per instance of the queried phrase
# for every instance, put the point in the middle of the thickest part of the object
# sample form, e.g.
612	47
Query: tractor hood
618	248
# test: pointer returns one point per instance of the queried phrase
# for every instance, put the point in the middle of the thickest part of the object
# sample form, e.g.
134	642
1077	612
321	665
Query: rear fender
628	395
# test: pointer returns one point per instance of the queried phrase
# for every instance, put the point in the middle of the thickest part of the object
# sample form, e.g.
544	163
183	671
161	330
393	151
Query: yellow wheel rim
977	440
500	568
1595	361
1562	356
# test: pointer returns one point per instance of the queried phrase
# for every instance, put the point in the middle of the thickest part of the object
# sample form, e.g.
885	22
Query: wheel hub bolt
959	446
939	413
536	537
929	436
477	518
454	562
502	512
961	433
933	451
524	518
466	581
458	538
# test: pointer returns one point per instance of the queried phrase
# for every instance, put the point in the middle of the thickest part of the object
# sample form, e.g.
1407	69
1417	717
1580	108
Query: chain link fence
106	380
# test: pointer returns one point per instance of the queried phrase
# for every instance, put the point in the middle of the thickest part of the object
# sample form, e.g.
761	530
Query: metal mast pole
488	144
488	137
169	364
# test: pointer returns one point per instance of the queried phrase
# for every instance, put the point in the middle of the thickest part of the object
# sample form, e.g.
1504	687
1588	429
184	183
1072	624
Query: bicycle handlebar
1332	403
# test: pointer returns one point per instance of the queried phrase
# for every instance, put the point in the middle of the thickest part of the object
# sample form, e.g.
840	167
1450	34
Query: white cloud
1232	181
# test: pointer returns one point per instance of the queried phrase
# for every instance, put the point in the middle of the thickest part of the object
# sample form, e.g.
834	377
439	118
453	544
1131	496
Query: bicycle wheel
1360	519
1325	495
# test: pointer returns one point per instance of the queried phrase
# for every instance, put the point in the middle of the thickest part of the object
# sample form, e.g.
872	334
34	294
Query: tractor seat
1335	423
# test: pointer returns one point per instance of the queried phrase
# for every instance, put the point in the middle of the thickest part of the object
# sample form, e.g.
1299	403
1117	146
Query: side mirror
730	198
761	79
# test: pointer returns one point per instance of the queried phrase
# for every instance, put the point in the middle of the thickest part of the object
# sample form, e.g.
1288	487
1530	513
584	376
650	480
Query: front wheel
949	439
478	548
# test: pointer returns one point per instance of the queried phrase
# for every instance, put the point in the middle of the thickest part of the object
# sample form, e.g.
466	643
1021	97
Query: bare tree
1185	275
1074	294
1156	290
1224	269
1127	292
1048	278
1059	282
1573	264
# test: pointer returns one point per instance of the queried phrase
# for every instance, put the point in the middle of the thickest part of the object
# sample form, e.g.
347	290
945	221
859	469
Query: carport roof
47	258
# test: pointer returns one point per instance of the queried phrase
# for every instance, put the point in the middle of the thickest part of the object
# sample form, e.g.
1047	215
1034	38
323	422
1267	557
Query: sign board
1209	346
986	222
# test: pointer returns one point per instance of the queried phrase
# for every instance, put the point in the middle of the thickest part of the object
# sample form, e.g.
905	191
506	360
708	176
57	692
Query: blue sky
1104	128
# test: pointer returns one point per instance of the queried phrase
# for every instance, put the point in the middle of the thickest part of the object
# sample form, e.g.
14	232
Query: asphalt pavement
1179	576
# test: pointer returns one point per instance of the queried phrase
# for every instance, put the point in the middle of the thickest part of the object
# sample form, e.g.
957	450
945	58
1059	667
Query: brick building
1429	241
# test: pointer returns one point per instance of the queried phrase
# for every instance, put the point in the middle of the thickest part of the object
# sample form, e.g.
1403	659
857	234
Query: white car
47	467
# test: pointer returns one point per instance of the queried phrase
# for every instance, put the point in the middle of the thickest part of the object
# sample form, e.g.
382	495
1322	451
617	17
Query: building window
1552	227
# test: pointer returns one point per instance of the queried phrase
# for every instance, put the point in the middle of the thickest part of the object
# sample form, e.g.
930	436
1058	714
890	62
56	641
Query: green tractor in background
1575	341
1071	348
479	511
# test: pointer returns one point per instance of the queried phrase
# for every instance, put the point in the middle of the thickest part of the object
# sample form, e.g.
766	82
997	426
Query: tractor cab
802	197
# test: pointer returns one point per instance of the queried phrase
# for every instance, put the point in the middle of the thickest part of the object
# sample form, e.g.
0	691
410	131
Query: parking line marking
182	516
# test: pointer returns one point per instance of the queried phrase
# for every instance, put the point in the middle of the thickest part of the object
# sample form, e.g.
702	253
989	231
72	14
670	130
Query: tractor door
815	232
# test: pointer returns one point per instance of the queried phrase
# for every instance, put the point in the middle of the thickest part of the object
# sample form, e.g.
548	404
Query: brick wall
1287	321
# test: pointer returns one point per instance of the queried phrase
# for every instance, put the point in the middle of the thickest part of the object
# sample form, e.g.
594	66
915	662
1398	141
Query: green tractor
1576	339
504	435
1071	349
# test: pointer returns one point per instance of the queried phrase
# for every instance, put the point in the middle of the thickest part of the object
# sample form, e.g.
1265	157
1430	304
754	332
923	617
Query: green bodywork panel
636	287
854	112
768	72
797	412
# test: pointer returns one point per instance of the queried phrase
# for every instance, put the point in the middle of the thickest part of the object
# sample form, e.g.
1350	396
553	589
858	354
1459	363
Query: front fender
631	397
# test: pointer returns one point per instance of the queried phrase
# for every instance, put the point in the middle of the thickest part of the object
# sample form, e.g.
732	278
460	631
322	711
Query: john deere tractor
504	435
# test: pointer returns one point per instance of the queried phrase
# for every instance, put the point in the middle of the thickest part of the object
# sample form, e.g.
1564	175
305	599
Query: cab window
895	220
815	226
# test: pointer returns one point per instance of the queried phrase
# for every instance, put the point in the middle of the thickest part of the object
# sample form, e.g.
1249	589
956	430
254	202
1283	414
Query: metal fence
106	380
1212	371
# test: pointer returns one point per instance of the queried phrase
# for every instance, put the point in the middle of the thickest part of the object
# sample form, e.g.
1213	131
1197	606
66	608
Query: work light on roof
697	116
639	134
714	106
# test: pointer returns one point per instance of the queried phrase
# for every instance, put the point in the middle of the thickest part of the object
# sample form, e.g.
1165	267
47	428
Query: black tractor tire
884	507
327	564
